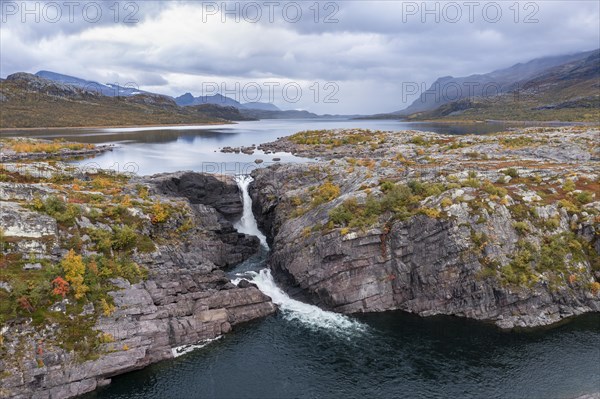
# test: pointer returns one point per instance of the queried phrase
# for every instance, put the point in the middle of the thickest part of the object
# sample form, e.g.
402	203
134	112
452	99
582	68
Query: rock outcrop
218	191
7	154
184	299
410	223
154	320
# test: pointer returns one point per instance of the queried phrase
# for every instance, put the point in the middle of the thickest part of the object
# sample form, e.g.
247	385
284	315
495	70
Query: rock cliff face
378	234
185	299
217	191
153	321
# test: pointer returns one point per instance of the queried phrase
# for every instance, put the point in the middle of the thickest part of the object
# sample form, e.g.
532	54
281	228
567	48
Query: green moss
124	238
471	182
552	223
424	189
479	239
521	212
102	240
555	257
56	207
479	208
521	227
386	185
355	215
520	270
584	197
324	193
489	268
145	244
419	140
398	201
512	172
569	185
491	189
568	206
517	142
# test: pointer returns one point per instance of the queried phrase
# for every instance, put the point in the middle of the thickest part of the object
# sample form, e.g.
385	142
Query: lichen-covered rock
184	300
505	241
19	222
218	191
24	192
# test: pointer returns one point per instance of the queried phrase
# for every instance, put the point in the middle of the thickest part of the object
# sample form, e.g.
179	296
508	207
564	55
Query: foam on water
309	315
183	349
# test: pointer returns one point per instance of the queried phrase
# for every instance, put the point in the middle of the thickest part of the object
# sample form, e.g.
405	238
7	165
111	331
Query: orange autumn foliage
61	287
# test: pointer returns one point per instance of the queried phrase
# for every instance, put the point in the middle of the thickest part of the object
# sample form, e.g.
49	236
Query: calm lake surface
300	353
158	149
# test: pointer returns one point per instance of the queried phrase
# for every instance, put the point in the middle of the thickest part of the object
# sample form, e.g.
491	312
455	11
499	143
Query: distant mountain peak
113	90
448	89
109	89
188	99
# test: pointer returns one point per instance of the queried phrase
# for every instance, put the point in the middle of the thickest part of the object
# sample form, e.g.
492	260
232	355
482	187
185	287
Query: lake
153	150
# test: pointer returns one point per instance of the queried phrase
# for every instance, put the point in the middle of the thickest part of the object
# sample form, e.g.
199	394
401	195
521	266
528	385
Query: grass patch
41	146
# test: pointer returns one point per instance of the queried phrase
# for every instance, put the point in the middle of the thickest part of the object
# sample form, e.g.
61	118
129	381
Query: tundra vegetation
543	181
103	223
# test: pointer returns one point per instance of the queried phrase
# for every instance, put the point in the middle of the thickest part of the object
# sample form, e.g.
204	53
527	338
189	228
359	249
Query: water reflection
167	149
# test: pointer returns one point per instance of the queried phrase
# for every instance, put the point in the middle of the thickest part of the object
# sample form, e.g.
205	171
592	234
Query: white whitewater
291	309
247	224
309	315
184	349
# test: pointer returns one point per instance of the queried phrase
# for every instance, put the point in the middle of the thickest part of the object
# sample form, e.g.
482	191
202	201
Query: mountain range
50	99
567	85
187	99
30	101
110	90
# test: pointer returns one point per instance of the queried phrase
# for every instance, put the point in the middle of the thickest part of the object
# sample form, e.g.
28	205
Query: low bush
325	193
512	172
521	227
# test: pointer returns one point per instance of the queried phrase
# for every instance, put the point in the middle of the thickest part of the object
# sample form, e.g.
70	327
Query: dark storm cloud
39	20
368	48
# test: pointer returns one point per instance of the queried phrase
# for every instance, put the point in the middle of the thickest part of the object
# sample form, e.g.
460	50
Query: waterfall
247	223
292	310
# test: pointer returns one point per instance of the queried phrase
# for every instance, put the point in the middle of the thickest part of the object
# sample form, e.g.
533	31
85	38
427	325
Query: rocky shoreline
8	154
182	299
502	228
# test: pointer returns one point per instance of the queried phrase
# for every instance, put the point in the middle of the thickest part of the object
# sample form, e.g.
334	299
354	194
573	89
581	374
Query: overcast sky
346	56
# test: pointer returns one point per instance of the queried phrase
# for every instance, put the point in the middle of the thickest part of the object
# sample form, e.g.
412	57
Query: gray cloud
369	52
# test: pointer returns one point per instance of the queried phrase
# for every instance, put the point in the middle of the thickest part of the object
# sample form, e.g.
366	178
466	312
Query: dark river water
303	352
398	356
